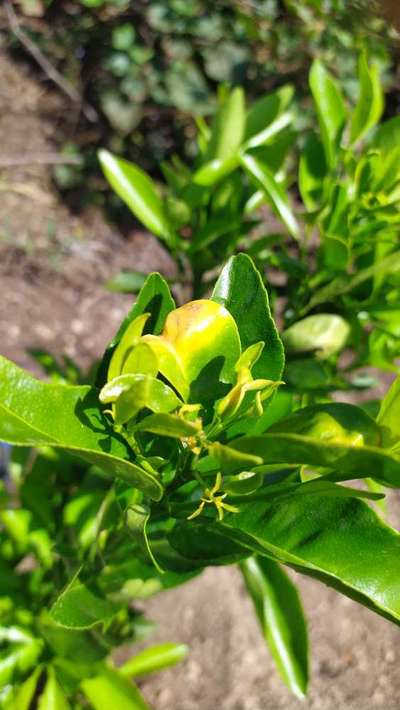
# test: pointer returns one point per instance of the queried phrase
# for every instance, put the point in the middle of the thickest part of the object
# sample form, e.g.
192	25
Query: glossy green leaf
341	542
330	108
53	697
33	413
243	483
370	101
323	334
389	416
228	130
279	611
109	690
274	192
266	110
269	132
138	192
78	607
335	436
214	170
240	289
154	659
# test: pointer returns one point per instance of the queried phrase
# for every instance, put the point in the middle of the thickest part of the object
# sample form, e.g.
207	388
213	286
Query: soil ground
53	267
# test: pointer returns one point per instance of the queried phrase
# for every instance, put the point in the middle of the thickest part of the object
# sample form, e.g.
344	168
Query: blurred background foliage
148	67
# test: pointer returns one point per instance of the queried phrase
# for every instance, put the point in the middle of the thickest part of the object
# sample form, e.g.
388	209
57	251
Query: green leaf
341	542
127	282
52	697
25	693
33	413
344	284
204	545
138	192
154	298
279	611
335	436
274	192
266	110
240	289
323	334
370	101
78	607
330	109
214	170
154	659
226	137
132	393
167	425
228	129
312	170
110	690
389	416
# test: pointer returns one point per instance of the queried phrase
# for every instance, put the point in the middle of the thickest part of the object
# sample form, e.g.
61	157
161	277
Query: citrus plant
336	253
190	460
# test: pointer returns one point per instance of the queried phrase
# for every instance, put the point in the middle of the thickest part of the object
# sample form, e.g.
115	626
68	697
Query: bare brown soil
52	270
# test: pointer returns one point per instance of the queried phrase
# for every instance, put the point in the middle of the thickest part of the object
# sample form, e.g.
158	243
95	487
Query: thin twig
50	71
43	159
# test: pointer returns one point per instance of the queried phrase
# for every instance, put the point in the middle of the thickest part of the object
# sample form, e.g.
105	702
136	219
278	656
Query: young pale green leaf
340	541
370	101
389	416
330	108
169	363
241	290
323	334
78	607
154	298
279	611
274	192
132	393
335	436
53	697
125	346
167	425
154	659
109	690
138	192
33	413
